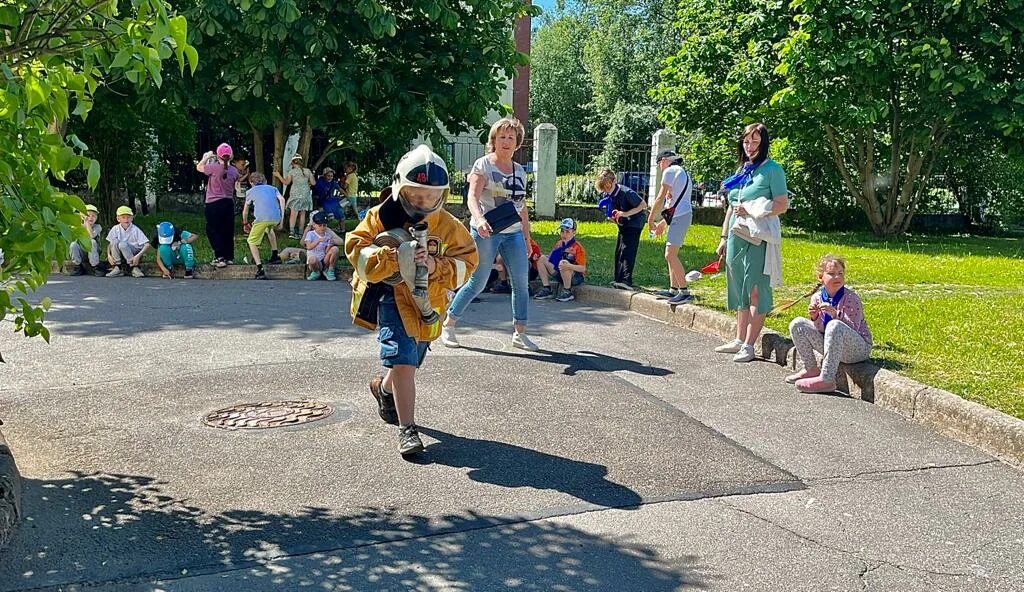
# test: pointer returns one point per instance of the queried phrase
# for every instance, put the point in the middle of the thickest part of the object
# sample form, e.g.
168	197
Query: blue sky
547	5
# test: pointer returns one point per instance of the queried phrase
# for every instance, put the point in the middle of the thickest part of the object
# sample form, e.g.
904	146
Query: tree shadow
584	360
95	529
100	307
509	465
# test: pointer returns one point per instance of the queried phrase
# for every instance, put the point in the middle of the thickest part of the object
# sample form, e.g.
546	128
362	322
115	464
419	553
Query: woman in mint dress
748	283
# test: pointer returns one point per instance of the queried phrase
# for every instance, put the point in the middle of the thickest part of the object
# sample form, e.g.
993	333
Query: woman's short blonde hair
829	258
502	124
605	181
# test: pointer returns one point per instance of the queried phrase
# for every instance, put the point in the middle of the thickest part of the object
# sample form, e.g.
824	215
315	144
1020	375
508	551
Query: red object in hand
247	227
712	267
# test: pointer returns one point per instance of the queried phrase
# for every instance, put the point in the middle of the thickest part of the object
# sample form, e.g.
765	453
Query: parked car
638	181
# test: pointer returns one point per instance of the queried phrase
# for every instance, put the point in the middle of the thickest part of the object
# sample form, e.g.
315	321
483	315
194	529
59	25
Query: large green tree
390	70
875	88
561	89
54	55
593	65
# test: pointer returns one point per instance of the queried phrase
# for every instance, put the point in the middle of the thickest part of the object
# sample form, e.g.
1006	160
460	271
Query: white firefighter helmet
420	167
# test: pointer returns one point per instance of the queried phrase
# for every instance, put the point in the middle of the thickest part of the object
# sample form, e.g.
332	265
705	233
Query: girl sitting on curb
836	328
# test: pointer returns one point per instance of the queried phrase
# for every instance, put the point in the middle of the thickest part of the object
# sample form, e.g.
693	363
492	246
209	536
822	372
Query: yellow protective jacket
450	244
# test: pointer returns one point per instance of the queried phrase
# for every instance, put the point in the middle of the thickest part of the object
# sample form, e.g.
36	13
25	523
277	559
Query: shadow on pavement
508	465
100	528
584	360
100	307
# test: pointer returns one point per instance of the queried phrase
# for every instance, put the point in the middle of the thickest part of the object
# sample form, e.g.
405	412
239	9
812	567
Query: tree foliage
561	90
876	88
55	56
392	70
594	65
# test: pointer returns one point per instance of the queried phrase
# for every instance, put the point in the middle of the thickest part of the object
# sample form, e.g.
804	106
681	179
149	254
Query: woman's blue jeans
512	248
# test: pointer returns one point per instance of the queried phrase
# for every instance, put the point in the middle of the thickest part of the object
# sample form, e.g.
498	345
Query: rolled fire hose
413	275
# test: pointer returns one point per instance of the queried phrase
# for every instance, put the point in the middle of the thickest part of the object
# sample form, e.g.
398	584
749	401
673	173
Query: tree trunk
257	148
280	137
305	141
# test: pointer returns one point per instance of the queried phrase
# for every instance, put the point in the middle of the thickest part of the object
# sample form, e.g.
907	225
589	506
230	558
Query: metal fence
579	162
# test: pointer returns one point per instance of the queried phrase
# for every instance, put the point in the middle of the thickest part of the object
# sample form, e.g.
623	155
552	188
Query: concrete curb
206	271
10	494
995	432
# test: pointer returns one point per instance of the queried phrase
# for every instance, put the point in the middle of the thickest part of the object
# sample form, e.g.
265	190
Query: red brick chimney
521	81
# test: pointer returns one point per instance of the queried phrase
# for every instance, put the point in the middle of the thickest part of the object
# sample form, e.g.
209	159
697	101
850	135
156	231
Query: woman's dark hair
225	160
762	150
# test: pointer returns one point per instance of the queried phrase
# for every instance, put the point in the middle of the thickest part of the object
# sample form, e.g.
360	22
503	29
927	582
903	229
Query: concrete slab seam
995	432
852	554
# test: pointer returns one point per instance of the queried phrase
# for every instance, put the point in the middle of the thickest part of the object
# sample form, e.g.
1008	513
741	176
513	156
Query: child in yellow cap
78	254
126	243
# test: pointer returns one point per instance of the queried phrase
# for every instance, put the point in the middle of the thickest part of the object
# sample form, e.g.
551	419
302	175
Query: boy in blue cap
174	247
567	264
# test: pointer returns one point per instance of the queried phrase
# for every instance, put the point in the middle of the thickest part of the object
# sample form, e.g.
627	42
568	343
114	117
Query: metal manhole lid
267	414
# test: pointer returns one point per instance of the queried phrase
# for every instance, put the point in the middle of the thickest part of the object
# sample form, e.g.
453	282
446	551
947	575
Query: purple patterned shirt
851	312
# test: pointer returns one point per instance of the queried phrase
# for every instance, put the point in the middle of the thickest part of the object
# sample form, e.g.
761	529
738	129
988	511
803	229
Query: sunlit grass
944	310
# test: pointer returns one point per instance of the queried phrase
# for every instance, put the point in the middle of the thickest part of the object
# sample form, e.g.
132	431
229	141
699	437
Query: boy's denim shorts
396	347
556	278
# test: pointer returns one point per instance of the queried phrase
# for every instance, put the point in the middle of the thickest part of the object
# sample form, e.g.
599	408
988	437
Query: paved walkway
623	456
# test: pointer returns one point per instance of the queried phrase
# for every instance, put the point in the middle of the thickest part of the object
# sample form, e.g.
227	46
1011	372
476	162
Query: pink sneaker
815	385
805	373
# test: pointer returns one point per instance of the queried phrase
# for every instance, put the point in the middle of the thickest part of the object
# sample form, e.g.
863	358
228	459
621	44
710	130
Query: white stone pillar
545	166
661	140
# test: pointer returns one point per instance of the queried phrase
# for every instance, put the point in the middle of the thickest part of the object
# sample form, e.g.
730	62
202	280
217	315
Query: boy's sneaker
565	296
409	440
261	274
292	261
666	293
98	272
730	348
521	341
137	272
219	262
77	270
313	276
385	402
681	298
544	293
190	274
621	286
275	259
115	272
329	274
745	354
448	338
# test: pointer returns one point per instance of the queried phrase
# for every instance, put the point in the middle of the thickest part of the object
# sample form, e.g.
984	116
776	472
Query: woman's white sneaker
730	348
521	341
448	337
745	354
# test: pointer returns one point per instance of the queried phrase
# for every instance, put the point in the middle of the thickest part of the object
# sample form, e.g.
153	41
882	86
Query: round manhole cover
267	414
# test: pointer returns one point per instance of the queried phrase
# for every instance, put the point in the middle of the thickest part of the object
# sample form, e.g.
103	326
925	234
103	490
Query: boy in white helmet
404	330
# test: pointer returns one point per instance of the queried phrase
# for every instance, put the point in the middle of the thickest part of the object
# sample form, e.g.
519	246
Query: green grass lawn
944	310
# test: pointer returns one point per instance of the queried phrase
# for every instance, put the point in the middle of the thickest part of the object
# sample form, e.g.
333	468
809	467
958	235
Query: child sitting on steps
836	328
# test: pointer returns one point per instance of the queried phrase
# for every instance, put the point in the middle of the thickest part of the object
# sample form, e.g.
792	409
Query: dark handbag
502	216
668	213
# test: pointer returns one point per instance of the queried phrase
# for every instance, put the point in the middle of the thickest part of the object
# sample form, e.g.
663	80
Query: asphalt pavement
625	455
